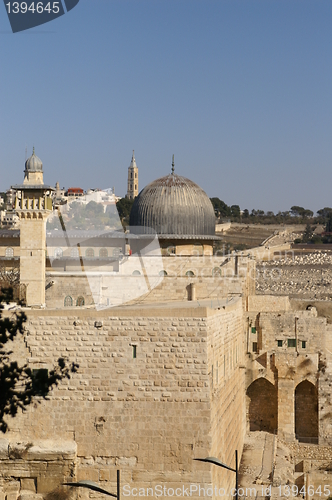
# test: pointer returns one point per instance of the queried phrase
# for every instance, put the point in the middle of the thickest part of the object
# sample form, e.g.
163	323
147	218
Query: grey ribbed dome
174	205
34	164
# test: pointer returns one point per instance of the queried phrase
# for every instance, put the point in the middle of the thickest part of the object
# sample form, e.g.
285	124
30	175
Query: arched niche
262	406
306	412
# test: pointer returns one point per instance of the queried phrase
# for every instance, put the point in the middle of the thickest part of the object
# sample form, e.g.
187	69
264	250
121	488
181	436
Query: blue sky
239	90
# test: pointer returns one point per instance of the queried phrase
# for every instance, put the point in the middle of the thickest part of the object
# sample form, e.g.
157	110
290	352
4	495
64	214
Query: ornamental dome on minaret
33	172
34	164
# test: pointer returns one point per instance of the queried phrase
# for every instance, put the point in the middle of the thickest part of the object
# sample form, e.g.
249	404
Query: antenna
26	152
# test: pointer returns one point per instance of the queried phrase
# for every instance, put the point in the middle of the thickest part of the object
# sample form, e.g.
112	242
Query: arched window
216	271
74	252
68	301
103	252
9	252
58	253
162	273
190	273
136	273
80	301
89	252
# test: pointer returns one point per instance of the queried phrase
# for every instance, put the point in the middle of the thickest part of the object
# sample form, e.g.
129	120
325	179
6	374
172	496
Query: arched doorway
262	406
306	412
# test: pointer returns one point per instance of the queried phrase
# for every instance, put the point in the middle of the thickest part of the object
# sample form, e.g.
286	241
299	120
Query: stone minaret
132	190
33	205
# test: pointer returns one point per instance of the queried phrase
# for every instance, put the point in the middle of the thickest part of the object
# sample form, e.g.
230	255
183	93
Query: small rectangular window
279	343
253	329
291	342
39	378
134	351
303	344
254	347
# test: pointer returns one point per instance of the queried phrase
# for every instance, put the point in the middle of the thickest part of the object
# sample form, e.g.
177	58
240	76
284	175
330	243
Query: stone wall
268	303
226	357
141	400
212	277
35	467
293	352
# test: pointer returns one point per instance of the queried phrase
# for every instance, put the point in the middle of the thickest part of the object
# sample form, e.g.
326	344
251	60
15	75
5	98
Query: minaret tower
33	205
132	190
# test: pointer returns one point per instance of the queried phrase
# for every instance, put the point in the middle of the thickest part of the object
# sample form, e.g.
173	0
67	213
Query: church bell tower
132	188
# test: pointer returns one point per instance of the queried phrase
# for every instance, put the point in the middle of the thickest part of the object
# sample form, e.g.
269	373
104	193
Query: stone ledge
52	450
40	450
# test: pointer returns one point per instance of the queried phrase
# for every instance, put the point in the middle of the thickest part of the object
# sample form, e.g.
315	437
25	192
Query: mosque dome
34	164
174	206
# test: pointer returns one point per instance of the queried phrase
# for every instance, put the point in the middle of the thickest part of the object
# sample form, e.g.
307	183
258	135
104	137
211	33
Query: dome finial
173	165
33	150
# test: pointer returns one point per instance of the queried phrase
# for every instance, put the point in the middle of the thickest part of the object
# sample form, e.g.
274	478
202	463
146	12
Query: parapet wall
268	303
212	277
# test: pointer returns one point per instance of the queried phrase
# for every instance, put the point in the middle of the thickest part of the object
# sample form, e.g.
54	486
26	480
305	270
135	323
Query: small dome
174	205
34	164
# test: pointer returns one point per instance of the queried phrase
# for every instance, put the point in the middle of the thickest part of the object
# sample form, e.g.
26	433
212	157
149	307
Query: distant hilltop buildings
60	196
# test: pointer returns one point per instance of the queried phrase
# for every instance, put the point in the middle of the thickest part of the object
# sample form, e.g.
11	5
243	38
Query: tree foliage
19	385
328	226
220	208
308	234
297	211
124	207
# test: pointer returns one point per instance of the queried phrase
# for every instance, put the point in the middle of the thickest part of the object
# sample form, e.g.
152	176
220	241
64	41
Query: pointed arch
306	412
262	406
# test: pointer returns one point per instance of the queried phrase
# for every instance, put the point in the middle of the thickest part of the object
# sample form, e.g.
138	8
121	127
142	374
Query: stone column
285	364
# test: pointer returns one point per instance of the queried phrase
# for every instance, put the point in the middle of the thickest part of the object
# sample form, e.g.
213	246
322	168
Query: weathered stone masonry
181	397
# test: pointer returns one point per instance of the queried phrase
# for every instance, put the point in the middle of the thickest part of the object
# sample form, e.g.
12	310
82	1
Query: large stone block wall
226	356
34	467
149	415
